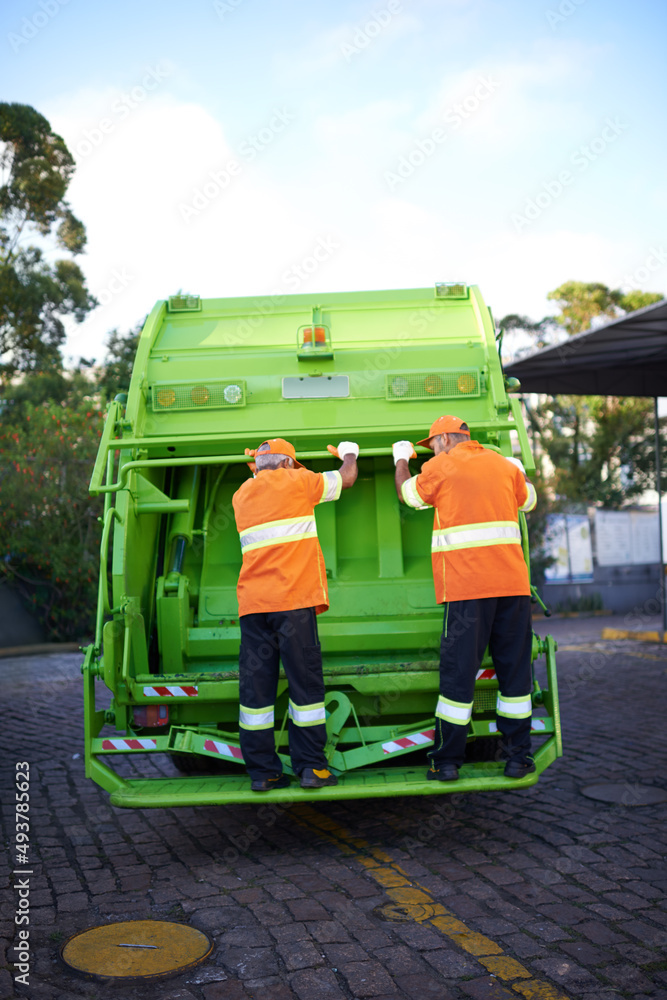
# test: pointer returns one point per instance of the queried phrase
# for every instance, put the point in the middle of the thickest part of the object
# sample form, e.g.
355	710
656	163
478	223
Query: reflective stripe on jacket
283	566
476	546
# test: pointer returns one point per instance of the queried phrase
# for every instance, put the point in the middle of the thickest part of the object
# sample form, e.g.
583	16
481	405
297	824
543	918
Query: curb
44	647
620	633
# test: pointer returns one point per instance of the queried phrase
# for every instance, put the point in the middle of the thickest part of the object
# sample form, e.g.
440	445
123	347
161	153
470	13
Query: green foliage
35	171
632	301
600	449
114	375
580	302
49	533
589	603
540	559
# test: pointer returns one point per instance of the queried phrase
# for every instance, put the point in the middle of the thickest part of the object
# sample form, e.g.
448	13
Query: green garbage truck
210	379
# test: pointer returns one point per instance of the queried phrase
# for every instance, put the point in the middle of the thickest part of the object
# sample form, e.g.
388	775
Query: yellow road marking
536	990
505	967
621	633
586	648
416	902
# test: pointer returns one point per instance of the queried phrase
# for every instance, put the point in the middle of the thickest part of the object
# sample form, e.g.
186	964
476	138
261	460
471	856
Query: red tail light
151	716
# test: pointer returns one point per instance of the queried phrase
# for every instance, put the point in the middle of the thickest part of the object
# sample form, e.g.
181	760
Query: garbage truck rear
210	378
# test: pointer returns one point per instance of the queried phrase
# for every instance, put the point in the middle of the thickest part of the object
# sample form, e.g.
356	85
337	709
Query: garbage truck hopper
210	378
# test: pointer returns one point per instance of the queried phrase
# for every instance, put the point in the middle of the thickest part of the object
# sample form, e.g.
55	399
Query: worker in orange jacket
481	577
281	588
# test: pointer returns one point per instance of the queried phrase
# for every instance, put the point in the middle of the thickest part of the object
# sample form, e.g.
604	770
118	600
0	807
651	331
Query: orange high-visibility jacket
476	544
283	566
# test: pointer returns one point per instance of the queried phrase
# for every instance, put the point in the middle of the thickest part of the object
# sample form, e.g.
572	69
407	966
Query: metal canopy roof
626	357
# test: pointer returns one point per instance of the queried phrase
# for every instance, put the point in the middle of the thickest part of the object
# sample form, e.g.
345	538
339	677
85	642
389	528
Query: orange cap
444	425
278	446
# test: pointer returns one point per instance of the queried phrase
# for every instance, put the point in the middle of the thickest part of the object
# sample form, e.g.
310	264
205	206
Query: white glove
402	449
517	462
348	448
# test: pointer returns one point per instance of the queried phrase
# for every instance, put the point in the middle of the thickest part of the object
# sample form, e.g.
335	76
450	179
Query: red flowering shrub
49	532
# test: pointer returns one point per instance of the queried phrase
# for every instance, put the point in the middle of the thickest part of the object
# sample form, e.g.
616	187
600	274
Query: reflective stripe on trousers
307	715
256	718
514	708
456	712
290	529
468	536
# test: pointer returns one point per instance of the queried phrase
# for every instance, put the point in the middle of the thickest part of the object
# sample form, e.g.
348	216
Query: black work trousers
266	639
504	625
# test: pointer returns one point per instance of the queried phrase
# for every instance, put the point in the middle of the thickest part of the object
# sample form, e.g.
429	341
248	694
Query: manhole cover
625	794
407	911
136	949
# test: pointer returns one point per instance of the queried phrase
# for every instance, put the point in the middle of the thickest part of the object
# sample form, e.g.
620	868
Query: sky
244	147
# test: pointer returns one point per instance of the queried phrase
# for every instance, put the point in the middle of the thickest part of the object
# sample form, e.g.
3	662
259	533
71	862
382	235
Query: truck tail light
151	716
320	335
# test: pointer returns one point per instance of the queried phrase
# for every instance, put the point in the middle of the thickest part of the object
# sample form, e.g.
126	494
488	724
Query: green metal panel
212	377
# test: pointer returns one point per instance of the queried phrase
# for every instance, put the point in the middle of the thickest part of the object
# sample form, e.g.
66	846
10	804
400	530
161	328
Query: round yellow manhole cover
136	949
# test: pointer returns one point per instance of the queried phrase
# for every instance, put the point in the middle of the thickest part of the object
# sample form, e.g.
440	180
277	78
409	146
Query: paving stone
645	933
249	963
562	913
599	933
307	909
452	964
566	973
299	955
419	936
523	946
399	960
229	990
367	979
316	984
72	901
423	987
486	988
546	931
627	978
582	951
327	931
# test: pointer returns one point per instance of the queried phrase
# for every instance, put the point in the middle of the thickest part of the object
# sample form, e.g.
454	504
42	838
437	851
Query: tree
580	303
116	370
49	530
598	448
35	171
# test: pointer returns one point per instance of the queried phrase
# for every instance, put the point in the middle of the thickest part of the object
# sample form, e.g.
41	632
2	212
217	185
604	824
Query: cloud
169	205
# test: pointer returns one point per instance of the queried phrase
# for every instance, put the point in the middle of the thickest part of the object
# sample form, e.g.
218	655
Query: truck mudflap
357	768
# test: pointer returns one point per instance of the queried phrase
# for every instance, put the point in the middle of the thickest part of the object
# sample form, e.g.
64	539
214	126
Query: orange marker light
433	384
166	397
200	395
466	383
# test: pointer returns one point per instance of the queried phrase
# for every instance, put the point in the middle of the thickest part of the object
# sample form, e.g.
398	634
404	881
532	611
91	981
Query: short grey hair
269	460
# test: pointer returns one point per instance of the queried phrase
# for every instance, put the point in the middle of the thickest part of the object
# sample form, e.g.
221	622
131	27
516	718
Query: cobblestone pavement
539	893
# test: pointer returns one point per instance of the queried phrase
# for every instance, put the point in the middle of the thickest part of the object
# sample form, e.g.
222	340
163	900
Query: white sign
581	549
613	537
555	544
568	539
645	536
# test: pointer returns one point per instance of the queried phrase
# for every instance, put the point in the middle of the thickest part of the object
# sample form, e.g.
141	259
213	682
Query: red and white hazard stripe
135	744
413	740
224	749
486	675
171	691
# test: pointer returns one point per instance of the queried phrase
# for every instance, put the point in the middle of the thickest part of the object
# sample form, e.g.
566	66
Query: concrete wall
623	589
17	626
